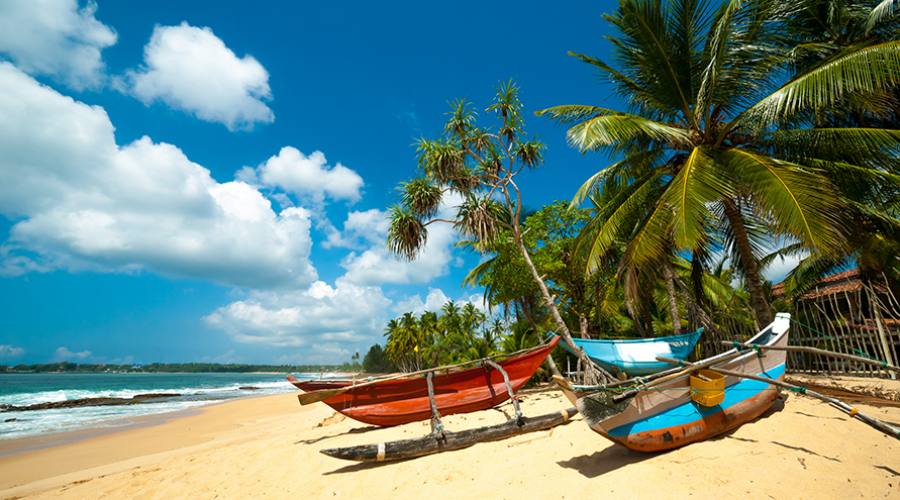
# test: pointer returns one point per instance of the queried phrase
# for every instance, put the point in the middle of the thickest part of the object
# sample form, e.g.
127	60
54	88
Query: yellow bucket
708	392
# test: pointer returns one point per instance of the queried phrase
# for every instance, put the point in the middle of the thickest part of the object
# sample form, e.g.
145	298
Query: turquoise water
196	389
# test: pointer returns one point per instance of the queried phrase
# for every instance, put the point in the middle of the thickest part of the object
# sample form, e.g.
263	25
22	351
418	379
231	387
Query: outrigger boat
686	405
405	398
637	356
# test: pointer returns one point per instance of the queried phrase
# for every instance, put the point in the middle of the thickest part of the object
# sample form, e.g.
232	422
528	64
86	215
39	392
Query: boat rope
740	346
437	428
509	390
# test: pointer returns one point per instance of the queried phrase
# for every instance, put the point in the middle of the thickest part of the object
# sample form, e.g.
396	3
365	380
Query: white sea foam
14	424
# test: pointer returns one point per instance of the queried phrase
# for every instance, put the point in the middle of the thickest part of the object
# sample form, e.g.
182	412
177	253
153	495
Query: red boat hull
316	385
400	401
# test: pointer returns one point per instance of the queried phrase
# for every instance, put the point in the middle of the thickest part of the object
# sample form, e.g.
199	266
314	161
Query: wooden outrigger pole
427	445
815	350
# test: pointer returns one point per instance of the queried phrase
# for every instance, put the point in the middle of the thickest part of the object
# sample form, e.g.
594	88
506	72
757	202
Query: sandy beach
268	447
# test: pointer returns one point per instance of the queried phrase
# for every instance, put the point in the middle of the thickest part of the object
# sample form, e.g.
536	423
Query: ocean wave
14	424
30	398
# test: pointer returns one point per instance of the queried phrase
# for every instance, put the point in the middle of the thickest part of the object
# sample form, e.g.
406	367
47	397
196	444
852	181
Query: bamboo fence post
826	328
857	345
882	334
844	340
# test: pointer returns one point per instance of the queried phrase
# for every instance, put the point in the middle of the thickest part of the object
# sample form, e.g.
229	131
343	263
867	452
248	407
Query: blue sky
163	201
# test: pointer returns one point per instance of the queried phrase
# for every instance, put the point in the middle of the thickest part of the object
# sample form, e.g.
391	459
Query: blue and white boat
683	409
638	356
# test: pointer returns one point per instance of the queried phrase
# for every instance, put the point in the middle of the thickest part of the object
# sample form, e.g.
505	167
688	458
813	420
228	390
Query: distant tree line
69	367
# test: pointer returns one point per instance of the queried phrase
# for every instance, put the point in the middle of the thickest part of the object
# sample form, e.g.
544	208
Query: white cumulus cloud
191	69
10	351
361	228
65	354
55	38
80	201
327	322
308	177
434	300
377	265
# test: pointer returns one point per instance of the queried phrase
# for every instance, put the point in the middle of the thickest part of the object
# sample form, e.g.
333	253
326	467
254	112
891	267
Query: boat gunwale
665	338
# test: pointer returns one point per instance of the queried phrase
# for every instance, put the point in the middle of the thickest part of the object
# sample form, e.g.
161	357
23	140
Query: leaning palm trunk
591	372
749	264
673	299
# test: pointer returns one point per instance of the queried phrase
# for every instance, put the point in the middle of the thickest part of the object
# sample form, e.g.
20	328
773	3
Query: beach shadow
607	460
805	450
365	466
746	440
887	469
817	416
355	430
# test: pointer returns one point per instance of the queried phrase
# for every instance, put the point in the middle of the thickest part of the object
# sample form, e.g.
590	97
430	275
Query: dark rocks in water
248	388
11	420
78	403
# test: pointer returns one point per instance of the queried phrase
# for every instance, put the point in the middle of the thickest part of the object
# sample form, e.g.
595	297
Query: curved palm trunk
673	299
749	264
583	323
551	364
593	373
635	316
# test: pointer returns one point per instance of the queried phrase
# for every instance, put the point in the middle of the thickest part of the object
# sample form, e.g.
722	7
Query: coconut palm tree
717	143
821	30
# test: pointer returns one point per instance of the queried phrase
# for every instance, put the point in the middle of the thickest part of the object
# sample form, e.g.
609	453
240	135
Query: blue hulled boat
638	356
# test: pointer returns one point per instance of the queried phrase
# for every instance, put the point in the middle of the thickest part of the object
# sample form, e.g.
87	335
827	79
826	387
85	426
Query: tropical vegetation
752	131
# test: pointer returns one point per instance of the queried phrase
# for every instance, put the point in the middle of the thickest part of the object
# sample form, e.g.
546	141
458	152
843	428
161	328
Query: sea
193	389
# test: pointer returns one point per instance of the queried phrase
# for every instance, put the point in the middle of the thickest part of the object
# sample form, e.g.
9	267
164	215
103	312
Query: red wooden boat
403	400
316	385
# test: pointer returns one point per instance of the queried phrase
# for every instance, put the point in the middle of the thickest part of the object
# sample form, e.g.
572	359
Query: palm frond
697	184
877	146
884	10
613	176
716	46
618	129
627	86
406	234
619	215
421	196
799	202
869	69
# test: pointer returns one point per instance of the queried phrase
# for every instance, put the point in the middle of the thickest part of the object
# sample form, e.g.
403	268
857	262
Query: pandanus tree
718	143
479	166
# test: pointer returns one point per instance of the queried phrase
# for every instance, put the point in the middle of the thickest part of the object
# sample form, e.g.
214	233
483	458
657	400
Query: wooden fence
861	319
